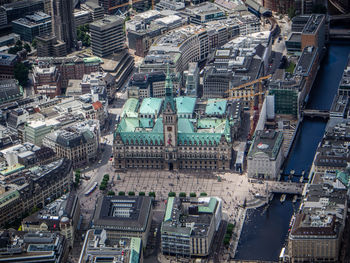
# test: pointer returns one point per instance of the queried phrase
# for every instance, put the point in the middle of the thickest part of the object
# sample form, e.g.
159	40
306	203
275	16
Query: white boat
283	198
301	179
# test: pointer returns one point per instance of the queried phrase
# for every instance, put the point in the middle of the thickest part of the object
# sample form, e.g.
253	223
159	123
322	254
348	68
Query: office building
96	11
204	12
19	9
35	131
47	81
9	40
7	65
82	17
189	226
112	6
192	80
18	246
98	79
314	32
31	26
61	216
49	46
42	185
107	36
123	216
79	143
98	247
63	22
164	134
265	155
344	85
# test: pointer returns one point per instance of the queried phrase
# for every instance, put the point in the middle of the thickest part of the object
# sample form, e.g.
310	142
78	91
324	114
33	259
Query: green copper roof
192	138
92	60
169	209
169	99
8	197
142	138
135	247
216	107
151	106
158	126
343	177
185	105
208	209
130	108
184	126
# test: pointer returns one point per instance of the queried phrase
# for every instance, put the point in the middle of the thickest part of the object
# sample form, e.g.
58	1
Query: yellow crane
131	2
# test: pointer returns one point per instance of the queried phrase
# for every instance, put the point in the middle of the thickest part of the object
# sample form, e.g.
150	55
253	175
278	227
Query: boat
302	173
283	198
292	172
301	179
295	197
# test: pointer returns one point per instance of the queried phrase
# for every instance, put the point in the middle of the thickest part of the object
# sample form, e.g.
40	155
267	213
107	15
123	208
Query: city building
31	26
10	90
344	85
98	247
61	216
70	67
107	36
20	246
192	80
24	189
79	143
63	22
9	40
204	12
113	6
7	65
35	131
18	9
98	79
47	81
123	216
145	85
293	43
81	17
317	229
96	11
265	155
169	136
189	226
49	46
314	32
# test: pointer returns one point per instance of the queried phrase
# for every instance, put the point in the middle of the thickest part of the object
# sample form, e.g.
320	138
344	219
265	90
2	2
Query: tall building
112	6
7	65
63	22
107	36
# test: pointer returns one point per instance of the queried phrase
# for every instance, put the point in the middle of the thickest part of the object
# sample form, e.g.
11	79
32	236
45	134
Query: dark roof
106	213
300	230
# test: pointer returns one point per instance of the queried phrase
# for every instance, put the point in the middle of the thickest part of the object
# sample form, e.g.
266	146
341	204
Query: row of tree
83	35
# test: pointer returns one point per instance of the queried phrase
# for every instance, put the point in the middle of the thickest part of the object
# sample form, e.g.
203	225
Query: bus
93	187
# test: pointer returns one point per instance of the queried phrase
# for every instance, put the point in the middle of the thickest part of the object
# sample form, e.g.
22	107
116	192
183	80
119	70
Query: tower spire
169	99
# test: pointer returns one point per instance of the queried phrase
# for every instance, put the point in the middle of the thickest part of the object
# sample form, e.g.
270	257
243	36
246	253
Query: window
169	129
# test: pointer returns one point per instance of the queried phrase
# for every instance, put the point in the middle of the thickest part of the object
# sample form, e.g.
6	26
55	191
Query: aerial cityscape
163	131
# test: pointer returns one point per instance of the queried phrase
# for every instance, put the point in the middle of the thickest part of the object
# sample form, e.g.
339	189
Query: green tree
111	193
142	193
27	47
291	12
121	193
182	194
193	194
152	194
34	43
21	73
19	43
102	187
172	194
13	50
203	194
131	193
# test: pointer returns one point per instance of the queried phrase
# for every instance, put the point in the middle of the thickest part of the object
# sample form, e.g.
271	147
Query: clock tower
169	125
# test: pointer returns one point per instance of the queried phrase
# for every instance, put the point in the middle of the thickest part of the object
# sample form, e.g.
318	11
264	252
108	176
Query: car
99	162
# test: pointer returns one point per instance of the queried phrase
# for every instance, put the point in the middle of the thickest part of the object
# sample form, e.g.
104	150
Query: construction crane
131	2
250	85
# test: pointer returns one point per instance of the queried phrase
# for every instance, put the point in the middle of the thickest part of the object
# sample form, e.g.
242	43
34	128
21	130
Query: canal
265	230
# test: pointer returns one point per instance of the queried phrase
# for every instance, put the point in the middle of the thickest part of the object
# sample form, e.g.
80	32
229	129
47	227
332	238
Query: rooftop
106	23
122	213
313	23
306	61
268	142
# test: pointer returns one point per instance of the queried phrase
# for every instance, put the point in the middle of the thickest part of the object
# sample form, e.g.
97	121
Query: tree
102	187
182	194
121	193
142	193
111	193
27	47
131	193
203	194
172	194
13	50
34	43
152	194
291	12
193	195
21	73
19	43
